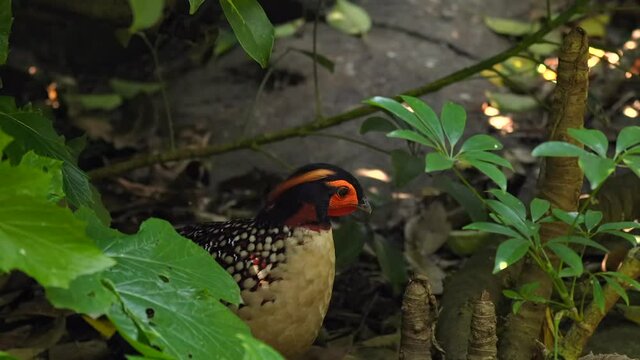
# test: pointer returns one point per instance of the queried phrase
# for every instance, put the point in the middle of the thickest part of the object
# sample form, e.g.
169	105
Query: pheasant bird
284	260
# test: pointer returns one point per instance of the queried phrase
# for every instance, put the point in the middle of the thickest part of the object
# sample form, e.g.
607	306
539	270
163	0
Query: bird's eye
342	191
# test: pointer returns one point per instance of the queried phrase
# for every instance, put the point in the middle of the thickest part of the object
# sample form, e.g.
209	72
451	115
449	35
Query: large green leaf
538	207
490	171
411	136
598	295
569	256
194	5
573	239
557	149
633	162
392	262
596	169
170	288
4	141
486	157
86	294
509	252
511	201
481	142
5	27
628	137
454	119
406	167
509	216
32	131
505	26
349	239
46	241
349	18
428	119
592	218
596	140
377	123
252	28
145	14
435	161
493	228
396	109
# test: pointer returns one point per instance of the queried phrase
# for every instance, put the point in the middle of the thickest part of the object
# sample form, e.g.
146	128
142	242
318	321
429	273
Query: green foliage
6	19
162	292
525	293
378	124
509	252
508	102
349	18
129	89
320	59
596	165
392	262
32	131
504	26
442	135
194	5
349	240
406	167
145	14
252	28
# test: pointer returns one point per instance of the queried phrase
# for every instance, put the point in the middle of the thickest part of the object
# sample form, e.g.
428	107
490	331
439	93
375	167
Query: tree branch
143	160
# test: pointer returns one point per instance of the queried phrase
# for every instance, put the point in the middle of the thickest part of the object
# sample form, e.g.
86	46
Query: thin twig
143	160
316	85
163	91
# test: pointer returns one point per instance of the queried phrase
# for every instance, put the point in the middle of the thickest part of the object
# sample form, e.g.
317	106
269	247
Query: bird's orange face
312	195
345	199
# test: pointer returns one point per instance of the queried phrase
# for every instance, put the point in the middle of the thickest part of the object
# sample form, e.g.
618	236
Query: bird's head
313	194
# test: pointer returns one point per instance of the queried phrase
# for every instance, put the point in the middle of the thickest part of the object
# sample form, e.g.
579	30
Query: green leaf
454	119
490	171
593	139
51	167
624	278
509	252
349	240
548	45
628	137
399	111
46	242
493	228
569	218
129	89
32	131
598	295
349	18
618	226
194	5
24	180
486	157
511	294
511	201
377	123
225	41
252	28
592	219
406	167
557	149
145	14
571	239
255	350
4	141
509	102
170	288
596	169
516	306
437	162
569	256
106	102
86	295
629	237
428	119
391	262
504	26
538	207
613	283
509	216
463	196
6	20
481	142
633	162
318	58
4	355
289	28
411	136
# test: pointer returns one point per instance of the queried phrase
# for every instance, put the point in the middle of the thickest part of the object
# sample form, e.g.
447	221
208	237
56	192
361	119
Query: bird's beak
364	205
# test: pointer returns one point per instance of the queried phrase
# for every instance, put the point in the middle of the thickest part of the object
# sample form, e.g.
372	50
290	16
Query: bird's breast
288	302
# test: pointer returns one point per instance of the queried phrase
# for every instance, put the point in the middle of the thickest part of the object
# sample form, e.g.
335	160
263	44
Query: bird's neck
305	216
